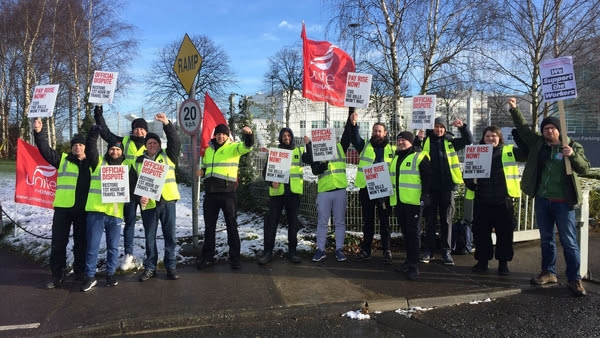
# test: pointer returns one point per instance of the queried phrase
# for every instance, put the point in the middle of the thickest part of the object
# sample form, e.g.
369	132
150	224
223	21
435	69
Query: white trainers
127	263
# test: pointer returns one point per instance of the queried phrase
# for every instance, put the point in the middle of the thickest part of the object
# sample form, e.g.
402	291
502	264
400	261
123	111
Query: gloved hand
470	184
98	110
95	129
425	200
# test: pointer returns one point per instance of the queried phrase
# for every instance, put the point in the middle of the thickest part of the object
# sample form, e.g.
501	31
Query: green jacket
534	164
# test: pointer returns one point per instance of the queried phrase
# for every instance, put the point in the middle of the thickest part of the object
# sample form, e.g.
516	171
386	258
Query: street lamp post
354	26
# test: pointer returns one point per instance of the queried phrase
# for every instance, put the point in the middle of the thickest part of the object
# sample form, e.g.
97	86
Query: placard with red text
151	179
43	101
323	144
115	183
103	87
423	112
478	161
378	180
358	90
279	165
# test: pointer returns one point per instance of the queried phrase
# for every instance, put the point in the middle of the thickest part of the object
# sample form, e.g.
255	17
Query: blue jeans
97	223
129	210
547	214
165	213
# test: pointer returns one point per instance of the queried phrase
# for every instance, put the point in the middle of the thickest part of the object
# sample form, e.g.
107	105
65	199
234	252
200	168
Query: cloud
269	37
285	24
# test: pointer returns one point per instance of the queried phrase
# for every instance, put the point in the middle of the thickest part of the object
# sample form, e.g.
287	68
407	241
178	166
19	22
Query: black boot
503	268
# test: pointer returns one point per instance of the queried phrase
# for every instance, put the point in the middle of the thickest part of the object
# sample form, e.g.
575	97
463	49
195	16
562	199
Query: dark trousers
442	205
213	203
291	204
61	227
500	218
368	214
410	223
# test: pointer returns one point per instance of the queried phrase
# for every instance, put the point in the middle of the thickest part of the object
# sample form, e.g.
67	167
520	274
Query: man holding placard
72	187
285	193
220	173
556	193
378	149
158	202
133	146
102	216
442	148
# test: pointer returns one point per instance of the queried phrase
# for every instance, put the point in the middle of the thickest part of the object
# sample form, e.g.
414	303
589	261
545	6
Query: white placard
323	144
279	165
358	90
378	180
507	135
423	112
478	161
151	179
558	79
43	101
103	87
115	183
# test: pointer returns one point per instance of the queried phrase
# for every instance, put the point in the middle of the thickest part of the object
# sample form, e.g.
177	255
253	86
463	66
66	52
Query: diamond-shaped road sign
187	64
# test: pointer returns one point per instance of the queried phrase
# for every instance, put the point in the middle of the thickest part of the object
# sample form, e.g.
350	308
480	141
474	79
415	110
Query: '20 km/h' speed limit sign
189	116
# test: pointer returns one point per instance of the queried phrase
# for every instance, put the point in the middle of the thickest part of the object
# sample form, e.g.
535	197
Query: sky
248	31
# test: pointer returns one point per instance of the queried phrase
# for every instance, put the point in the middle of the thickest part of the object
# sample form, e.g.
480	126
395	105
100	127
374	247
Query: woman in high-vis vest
163	209
72	186
410	173
493	206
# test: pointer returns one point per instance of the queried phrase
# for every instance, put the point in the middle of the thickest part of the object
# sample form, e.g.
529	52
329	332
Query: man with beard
284	196
133	146
377	150
442	149
556	193
102	217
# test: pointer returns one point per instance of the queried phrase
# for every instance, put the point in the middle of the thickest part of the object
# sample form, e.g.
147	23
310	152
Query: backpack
462	242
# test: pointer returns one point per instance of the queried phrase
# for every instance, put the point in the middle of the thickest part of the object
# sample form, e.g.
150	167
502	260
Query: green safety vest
94	200
170	192
296	176
131	151
511	174
66	182
453	162
367	157
335	175
223	163
409	180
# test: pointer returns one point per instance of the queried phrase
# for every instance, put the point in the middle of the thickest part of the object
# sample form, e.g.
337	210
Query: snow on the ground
37	222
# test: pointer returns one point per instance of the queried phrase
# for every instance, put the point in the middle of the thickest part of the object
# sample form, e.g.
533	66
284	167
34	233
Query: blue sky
249	31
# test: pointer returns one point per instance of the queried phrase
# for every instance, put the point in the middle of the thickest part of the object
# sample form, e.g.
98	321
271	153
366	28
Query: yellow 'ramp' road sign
187	63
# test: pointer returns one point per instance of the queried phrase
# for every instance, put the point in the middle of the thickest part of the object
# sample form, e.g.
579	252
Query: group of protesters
424	170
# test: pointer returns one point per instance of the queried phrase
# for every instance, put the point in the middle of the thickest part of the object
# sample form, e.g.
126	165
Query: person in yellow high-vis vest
102	217
375	150
284	196
410	173
493	203
331	198
133	146
442	148
219	170
72	186
162	210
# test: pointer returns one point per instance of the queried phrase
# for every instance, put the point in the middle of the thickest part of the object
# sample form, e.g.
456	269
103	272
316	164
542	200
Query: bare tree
538	30
285	75
215	74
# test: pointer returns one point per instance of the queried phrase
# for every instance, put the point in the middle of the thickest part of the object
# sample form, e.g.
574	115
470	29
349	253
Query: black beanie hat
77	139
550	120
440	120
117	144
153	136
407	135
222	128
139	123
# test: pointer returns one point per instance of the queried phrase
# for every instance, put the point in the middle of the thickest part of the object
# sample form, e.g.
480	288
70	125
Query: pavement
279	290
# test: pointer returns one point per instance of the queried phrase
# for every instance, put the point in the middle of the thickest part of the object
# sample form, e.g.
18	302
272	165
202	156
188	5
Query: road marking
19	327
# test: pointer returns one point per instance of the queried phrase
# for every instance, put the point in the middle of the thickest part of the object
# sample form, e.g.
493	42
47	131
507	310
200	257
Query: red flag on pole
212	117
36	178
326	68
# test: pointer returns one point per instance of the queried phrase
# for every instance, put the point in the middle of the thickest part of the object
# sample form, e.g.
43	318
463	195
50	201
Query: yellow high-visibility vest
94	199
453	162
409	181
367	157
335	175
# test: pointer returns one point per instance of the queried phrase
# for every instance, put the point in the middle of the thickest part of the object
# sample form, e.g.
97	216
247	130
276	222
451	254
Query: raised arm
40	138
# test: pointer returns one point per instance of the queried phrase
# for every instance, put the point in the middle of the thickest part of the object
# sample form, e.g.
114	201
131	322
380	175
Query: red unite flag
36	178
326	68
212	118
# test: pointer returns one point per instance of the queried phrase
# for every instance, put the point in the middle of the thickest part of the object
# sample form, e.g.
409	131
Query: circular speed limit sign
189	116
